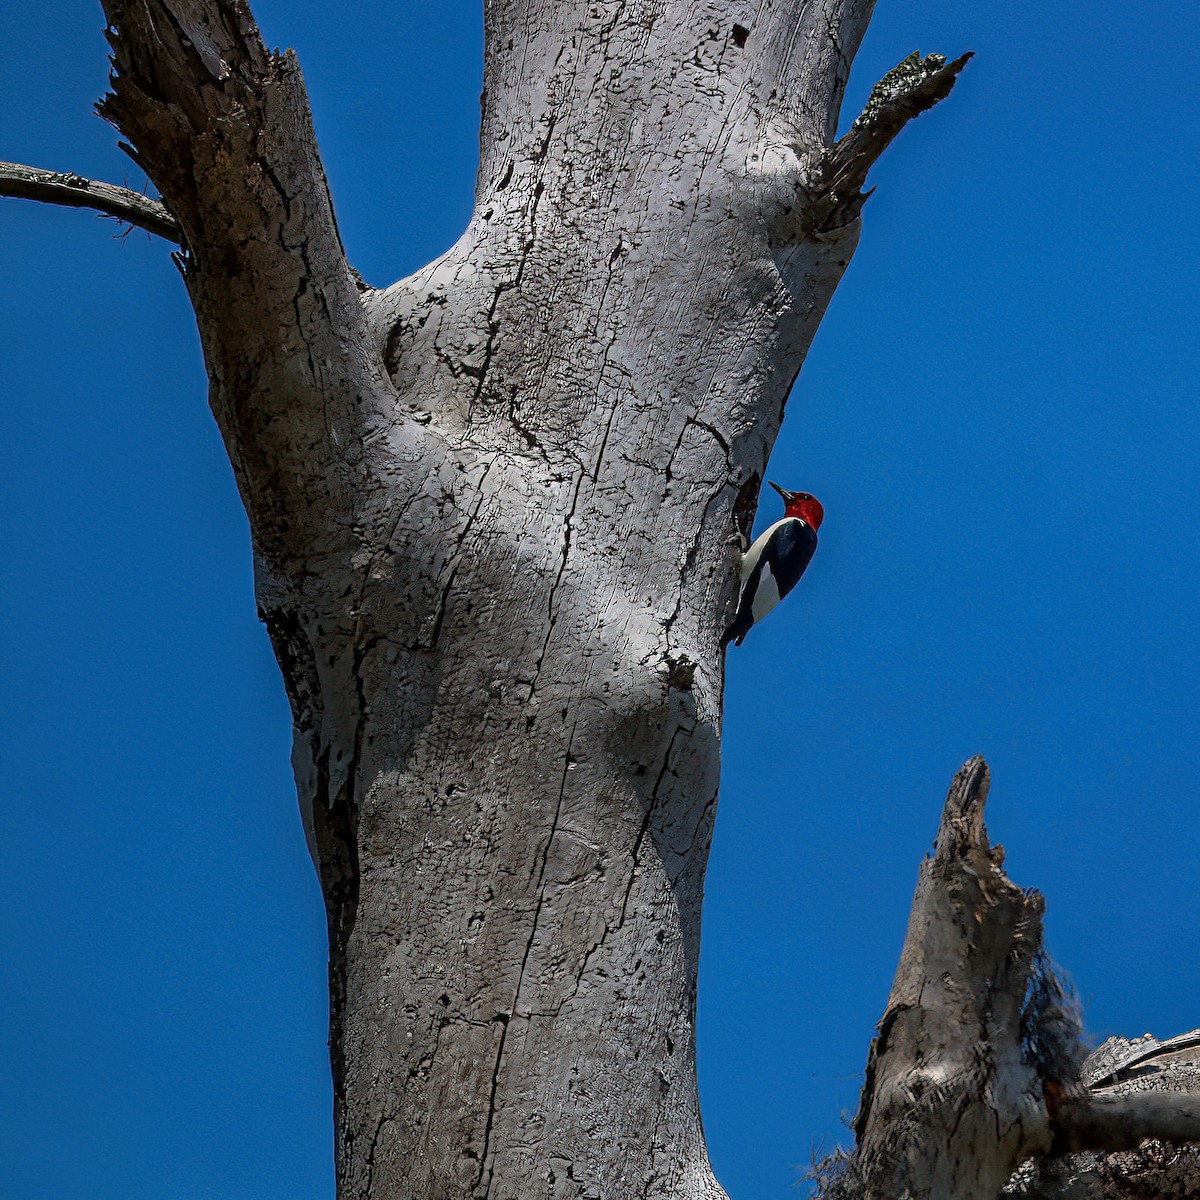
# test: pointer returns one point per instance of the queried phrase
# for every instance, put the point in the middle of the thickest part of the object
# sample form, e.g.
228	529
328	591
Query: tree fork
491	507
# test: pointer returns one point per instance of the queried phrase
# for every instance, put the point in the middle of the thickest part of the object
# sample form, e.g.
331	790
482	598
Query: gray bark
491	508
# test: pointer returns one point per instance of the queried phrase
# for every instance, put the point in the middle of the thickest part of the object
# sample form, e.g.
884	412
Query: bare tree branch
222	127
74	191
1121	1122
1152	1162
907	90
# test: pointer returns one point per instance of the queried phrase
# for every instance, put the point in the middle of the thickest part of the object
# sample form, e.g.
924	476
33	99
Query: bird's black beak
782	491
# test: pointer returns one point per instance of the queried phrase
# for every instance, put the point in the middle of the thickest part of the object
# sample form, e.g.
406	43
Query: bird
774	563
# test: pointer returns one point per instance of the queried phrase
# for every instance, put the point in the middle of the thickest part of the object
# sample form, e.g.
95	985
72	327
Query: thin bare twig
64	187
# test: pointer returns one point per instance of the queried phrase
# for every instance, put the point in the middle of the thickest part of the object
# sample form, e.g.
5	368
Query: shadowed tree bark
492	508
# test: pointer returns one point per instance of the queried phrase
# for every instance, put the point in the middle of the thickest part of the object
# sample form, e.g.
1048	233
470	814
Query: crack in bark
457	559
515	1013
700	824
502	286
689	562
386	1119
552	614
635	855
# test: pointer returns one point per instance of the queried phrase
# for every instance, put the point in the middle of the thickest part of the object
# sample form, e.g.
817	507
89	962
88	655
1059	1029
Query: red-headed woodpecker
774	564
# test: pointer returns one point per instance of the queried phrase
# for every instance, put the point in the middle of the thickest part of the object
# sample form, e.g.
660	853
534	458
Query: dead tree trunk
491	508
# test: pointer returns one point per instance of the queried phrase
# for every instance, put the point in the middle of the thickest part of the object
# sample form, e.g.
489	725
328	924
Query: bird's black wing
786	555
789	552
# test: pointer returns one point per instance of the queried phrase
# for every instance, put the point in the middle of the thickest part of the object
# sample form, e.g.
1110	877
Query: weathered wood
1122	1122
491	508
74	191
1138	1106
951	1104
974	1082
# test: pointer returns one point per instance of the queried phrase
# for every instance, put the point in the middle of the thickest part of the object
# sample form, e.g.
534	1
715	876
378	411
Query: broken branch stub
976	1079
950	1104
910	88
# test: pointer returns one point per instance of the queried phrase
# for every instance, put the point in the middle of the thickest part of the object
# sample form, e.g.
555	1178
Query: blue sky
998	415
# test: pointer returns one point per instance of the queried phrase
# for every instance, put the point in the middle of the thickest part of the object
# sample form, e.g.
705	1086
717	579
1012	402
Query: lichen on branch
910	88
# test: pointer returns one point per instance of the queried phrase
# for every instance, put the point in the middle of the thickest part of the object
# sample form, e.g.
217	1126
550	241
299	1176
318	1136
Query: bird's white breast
751	557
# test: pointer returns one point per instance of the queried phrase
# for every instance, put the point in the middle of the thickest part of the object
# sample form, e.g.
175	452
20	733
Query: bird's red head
801	504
